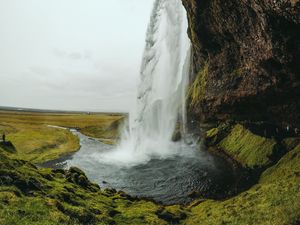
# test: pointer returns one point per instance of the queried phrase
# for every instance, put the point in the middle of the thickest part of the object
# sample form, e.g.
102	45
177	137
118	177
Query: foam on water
161	91
168	180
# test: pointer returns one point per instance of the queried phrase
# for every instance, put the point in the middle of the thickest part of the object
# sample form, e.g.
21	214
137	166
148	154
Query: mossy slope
250	150
43	196
274	200
196	91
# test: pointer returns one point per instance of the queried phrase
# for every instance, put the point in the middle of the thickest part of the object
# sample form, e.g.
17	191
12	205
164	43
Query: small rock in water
176	136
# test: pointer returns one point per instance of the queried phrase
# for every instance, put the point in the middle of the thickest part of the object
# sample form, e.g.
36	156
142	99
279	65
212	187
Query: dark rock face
252	48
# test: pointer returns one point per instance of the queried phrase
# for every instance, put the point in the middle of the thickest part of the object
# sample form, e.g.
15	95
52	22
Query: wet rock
177	133
126	196
77	176
76	170
83	181
252	50
176	136
110	191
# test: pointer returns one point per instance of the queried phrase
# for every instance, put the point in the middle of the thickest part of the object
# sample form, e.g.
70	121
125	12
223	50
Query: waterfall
161	90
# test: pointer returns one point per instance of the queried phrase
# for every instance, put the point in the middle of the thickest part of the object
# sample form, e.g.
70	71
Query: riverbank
37	142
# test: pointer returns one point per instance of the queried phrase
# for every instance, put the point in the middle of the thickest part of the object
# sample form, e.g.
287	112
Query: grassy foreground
273	201
43	196
36	141
29	195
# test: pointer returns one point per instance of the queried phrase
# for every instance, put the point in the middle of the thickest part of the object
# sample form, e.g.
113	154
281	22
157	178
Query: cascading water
162	76
146	162
161	92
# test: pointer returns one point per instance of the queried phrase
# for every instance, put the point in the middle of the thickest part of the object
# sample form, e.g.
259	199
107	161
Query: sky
71	54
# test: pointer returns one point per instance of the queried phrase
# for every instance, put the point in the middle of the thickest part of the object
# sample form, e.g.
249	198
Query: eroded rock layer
246	59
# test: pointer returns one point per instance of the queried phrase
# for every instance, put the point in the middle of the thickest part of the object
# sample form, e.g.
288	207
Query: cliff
245	60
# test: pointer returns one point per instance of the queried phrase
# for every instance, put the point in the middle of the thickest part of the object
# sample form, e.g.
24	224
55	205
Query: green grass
197	90
43	196
274	200
41	143
247	148
80	121
67	197
35	141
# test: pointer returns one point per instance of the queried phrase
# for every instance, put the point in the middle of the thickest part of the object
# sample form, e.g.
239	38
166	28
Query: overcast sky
71	54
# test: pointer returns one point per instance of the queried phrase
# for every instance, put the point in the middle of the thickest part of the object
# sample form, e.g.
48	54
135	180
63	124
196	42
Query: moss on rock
291	142
212	132
197	90
29	195
250	150
215	135
274	200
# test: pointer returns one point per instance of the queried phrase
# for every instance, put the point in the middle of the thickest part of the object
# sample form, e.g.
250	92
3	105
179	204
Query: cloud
71	54
85	54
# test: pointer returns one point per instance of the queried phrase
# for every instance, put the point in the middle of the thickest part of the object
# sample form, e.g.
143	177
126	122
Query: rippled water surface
169	180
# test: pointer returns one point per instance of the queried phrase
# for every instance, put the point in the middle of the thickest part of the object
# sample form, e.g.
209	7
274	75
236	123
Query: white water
161	92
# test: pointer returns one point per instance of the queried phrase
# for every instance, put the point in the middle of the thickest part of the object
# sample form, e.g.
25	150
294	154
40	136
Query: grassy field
38	142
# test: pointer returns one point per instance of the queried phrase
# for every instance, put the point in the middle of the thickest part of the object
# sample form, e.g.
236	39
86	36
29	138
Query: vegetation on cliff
250	150
197	89
253	52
